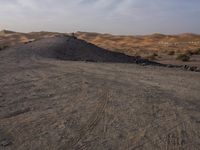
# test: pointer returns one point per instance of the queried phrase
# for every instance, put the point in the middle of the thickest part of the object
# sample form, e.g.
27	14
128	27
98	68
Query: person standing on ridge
73	35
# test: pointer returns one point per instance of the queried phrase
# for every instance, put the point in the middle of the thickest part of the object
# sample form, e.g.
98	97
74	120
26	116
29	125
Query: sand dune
134	44
131	45
11	38
157	47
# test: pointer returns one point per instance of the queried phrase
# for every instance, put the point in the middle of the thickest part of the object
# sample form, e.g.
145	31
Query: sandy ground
194	61
48	104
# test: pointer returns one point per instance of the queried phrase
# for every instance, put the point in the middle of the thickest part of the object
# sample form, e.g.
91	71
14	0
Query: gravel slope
65	47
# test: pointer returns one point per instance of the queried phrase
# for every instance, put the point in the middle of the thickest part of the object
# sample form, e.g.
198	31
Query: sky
104	16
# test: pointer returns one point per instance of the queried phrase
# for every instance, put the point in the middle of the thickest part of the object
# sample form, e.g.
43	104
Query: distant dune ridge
143	44
132	45
11	38
4	32
112	42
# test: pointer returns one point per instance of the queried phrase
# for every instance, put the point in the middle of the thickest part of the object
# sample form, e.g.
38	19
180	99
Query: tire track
91	123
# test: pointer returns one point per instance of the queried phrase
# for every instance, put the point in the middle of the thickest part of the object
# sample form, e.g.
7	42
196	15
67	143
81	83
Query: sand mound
4	32
70	48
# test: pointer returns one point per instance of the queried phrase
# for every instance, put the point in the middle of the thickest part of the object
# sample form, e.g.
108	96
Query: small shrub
137	56
171	52
155	54
3	47
189	52
183	57
152	56
197	52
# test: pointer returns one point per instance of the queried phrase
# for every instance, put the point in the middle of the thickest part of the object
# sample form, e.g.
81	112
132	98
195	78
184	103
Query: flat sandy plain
49	104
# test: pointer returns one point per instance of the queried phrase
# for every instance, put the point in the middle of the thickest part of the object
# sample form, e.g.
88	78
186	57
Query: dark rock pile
65	47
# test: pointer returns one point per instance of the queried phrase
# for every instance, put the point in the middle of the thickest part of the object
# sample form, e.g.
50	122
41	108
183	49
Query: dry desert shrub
189	52
152	56
3	47
197	51
193	52
183	57
171	52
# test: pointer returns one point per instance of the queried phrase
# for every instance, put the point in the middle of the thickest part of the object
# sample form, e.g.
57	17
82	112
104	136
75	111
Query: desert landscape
99	75
175	49
85	91
182	49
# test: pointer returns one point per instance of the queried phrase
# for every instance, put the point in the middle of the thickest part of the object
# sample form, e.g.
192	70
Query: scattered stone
143	64
5	142
191	68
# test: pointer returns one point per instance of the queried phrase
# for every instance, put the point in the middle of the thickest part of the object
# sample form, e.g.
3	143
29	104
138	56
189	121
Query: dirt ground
48	104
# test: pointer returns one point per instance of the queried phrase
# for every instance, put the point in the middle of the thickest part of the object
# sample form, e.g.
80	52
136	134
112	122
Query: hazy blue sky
111	16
